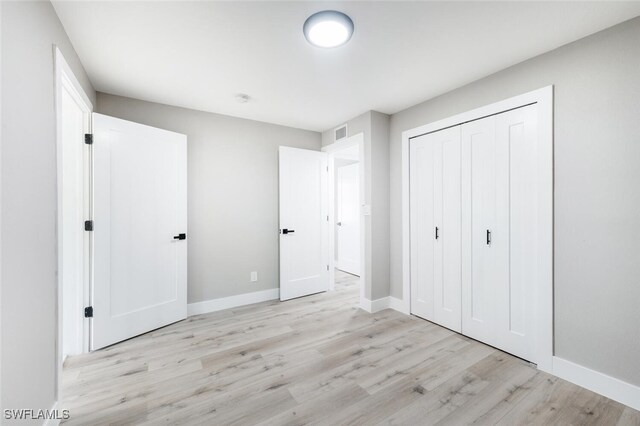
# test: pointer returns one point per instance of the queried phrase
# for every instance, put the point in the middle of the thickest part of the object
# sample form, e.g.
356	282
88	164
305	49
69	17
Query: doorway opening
347	208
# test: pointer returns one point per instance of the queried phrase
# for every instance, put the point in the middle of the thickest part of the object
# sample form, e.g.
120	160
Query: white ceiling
201	54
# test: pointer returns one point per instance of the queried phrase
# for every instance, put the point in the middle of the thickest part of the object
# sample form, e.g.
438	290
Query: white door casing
348	224
435	225
140	205
303	181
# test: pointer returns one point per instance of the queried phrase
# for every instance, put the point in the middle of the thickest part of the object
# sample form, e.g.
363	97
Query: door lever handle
180	237
339	223
288	231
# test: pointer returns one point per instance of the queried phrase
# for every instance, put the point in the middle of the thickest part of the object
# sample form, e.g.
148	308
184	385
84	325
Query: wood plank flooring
319	360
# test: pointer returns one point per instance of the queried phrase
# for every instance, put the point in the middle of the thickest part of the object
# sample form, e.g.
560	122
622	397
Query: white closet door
479	291
435	225
499	226
516	137
421	187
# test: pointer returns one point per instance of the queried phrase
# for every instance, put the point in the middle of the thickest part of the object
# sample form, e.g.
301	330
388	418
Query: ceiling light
328	28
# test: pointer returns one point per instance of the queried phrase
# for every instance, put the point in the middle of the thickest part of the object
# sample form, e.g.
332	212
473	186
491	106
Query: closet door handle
437	236
488	237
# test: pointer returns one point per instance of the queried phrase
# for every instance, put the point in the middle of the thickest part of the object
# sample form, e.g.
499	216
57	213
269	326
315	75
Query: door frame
66	80
331	150
544	302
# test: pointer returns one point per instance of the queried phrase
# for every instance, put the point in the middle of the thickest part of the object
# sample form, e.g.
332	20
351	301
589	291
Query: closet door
515	239
499	230
435	227
480	301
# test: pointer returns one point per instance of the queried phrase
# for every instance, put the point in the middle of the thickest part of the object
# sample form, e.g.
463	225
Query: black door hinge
88	225
88	312
88	138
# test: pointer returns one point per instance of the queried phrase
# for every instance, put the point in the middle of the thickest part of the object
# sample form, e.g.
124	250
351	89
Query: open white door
303	223
140	214
348	200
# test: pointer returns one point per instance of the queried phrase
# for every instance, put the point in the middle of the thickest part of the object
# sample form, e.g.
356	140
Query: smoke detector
242	98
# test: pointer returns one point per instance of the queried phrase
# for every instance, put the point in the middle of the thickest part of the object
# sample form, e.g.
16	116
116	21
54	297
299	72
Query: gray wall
380	204
28	185
596	195
232	192
375	128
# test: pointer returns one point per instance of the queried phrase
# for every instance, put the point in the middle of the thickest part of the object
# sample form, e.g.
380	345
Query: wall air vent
340	132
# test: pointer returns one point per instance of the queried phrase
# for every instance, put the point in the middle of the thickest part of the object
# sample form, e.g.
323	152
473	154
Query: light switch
254	276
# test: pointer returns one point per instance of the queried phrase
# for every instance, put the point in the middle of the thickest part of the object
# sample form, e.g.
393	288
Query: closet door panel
479	302
422	219
447	291
435	227
516	136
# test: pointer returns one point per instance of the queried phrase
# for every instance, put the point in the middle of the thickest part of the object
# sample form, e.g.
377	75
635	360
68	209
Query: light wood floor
320	360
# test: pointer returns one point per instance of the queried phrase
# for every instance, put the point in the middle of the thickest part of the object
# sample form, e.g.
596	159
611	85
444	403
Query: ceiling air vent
340	132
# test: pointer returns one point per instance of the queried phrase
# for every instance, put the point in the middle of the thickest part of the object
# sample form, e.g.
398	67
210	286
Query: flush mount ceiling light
328	28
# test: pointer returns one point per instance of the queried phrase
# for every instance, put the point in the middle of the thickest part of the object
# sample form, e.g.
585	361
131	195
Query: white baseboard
388	302
398	305
379	304
373	306
232	301
612	388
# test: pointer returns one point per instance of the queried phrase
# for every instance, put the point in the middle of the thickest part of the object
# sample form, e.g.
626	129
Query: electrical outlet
254	276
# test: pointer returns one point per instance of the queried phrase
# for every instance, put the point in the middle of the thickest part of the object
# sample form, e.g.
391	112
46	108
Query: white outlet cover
254	276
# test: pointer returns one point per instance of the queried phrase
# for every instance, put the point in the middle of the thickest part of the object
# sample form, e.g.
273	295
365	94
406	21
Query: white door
480	302
303	223
500	228
140	226
435	227
72	214
348	206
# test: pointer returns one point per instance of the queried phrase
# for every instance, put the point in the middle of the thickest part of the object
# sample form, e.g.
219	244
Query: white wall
232	193
28	185
596	195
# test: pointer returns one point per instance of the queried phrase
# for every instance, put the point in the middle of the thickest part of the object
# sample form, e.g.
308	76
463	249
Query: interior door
435	227
348	223
303	223
140	226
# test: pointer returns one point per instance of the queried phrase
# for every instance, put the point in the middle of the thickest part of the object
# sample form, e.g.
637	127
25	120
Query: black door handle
488	237
288	231
437	236
180	237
